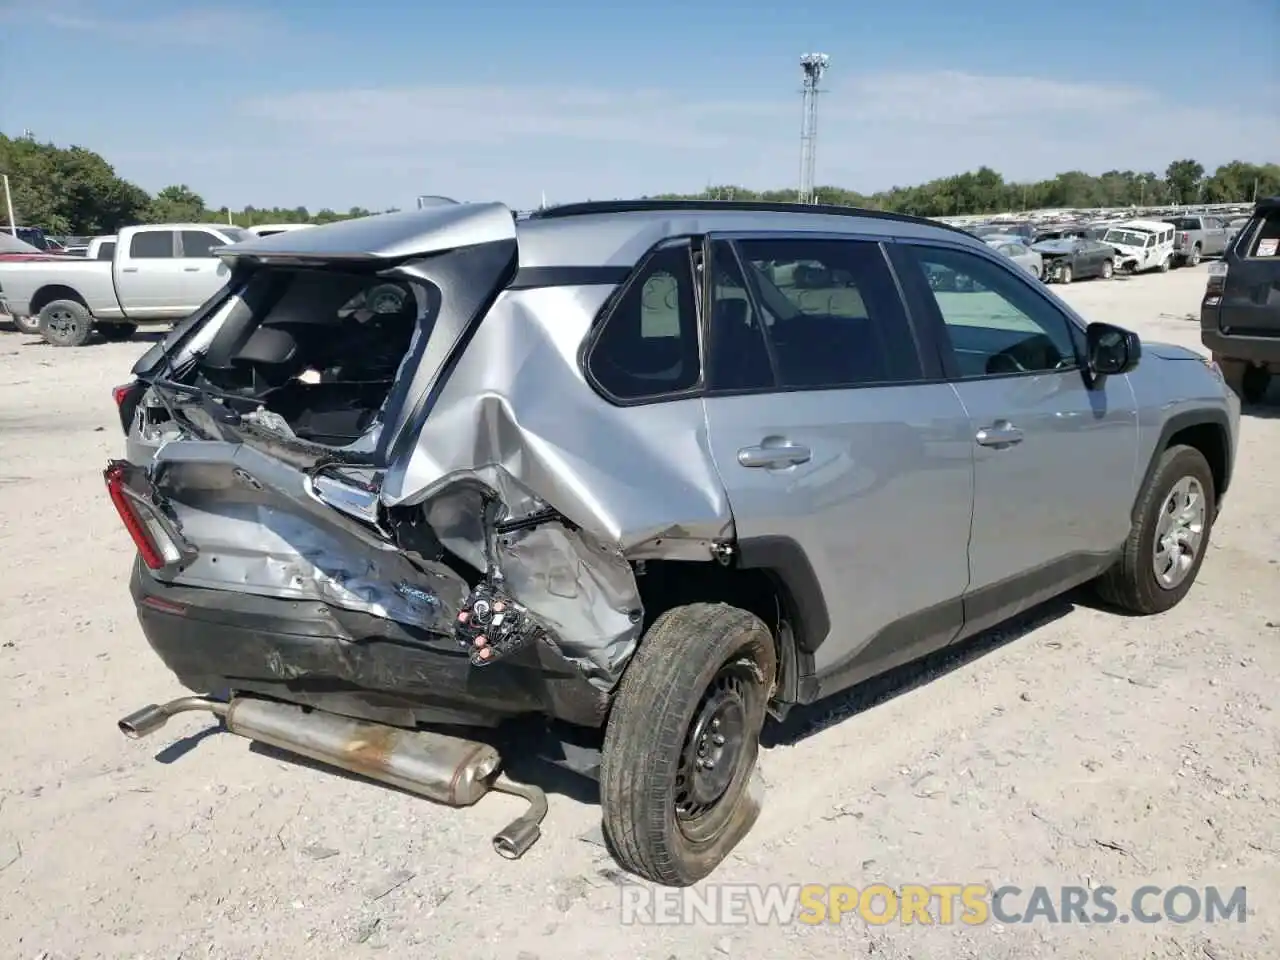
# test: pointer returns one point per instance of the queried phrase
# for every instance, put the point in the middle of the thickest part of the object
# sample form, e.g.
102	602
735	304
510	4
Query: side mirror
1112	350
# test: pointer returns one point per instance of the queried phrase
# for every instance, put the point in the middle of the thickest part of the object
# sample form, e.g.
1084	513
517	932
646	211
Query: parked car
1019	253
1074	258
13	250
157	274
1196	237
489	473
1141	245
1240	313
101	248
32	236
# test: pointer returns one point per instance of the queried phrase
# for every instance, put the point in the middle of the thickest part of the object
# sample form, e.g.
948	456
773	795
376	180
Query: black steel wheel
66	323
682	740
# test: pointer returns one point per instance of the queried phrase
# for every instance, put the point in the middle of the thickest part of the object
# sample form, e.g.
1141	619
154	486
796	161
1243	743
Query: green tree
1184	178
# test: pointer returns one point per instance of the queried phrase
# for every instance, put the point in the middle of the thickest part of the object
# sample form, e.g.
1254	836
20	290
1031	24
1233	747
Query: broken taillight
154	544
126	397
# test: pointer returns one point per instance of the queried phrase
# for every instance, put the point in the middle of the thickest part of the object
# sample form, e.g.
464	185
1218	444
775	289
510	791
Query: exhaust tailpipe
449	770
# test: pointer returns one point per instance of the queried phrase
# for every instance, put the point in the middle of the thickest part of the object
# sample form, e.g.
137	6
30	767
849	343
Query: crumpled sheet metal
265	536
517	403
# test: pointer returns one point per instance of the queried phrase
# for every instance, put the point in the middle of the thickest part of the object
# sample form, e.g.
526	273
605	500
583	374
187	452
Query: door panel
881	507
149	279
1055	461
827	431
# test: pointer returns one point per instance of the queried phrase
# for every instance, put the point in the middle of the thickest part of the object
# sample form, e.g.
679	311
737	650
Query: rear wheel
66	323
682	741
1194	259
1107	269
117	332
28	325
1064	276
1160	560
1165	264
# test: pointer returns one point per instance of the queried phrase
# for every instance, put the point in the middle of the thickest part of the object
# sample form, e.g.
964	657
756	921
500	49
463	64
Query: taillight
1216	284
1185	236
126	397
154	544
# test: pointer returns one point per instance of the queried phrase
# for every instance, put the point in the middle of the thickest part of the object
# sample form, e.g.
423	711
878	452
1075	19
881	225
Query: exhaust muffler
449	770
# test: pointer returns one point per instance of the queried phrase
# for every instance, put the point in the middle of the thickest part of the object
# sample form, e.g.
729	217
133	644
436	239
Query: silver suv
648	470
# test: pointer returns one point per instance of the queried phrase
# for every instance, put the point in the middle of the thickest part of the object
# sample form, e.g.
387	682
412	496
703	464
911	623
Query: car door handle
1003	433
783	455
191	269
128	269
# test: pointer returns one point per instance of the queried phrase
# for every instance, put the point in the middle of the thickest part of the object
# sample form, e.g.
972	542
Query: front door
830	437
1054	460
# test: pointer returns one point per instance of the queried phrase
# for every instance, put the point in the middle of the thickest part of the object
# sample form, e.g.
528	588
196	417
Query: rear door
148	274
834	434
1251	297
1055	462
203	274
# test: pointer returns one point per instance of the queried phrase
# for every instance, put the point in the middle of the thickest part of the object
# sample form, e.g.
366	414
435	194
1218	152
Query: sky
328	104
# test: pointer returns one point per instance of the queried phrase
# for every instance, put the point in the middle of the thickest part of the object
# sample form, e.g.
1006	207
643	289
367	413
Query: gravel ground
1078	747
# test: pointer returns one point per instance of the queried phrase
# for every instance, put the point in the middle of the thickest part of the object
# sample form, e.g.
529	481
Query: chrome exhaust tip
514	840
146	721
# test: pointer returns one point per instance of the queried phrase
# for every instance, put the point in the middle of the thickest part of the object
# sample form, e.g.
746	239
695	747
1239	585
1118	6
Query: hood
1171	351
1054	248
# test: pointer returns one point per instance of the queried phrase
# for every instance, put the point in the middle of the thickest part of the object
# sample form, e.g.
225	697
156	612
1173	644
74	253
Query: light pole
8	203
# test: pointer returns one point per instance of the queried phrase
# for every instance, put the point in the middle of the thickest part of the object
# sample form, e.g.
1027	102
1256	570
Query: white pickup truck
156	274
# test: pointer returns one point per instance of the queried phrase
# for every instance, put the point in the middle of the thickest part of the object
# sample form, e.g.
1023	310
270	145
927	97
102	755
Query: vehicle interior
319	349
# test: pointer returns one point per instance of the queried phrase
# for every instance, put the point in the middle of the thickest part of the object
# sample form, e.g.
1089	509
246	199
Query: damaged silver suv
647	471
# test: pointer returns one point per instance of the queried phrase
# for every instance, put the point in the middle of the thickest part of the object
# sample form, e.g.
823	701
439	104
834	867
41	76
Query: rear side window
107	250
821	314
200	243
151	245
1261	238
648	347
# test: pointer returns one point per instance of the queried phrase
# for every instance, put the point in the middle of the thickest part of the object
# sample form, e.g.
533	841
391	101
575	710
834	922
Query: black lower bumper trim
349	662
1254	349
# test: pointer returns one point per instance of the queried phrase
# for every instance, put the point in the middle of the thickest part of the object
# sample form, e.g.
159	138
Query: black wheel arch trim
1175	425
787	562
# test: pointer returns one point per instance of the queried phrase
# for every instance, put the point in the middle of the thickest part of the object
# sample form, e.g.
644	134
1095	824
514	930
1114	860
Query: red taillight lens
121	393
1185	237
139	530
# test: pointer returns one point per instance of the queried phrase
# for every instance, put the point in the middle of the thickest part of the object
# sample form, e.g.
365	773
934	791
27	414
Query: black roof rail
751	206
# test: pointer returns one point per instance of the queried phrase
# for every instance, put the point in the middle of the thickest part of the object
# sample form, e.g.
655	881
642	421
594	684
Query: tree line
73	190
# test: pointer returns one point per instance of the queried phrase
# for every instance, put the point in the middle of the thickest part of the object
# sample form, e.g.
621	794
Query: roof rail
752	206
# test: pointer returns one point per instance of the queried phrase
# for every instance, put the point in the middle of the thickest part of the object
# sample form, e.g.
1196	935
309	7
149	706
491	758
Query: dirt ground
1078	748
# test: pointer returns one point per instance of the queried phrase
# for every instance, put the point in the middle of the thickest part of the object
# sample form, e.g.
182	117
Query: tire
1253	383
117	332
1194	259
1165	264
1065	275
1035	271
66	323
690	657
27	325
1132	584
1108	269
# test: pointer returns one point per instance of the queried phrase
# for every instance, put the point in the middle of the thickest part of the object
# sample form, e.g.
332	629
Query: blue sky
333	104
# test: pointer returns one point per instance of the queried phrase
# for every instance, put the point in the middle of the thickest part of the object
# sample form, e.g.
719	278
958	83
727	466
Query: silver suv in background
648	470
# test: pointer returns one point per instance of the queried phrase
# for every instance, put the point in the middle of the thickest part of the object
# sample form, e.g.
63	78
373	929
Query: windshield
1185	223
1126	238
236	234
31	235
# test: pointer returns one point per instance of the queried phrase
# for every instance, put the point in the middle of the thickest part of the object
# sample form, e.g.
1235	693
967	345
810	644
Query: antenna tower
813	67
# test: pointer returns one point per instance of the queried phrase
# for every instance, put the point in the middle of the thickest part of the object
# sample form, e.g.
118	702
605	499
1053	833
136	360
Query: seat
739	360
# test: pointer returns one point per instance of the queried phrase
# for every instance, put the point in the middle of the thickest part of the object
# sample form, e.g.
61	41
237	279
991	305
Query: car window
1261	238
825	313
200	243
107	250
648	346
151	245
996	322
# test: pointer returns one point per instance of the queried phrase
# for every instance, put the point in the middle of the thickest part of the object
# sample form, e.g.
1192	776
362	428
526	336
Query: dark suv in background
1240	314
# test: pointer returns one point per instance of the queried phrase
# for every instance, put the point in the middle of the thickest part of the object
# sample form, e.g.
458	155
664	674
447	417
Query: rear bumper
348	662
1254	349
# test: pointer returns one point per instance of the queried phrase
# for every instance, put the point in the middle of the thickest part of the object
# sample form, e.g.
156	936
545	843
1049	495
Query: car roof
617	233
1154	226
